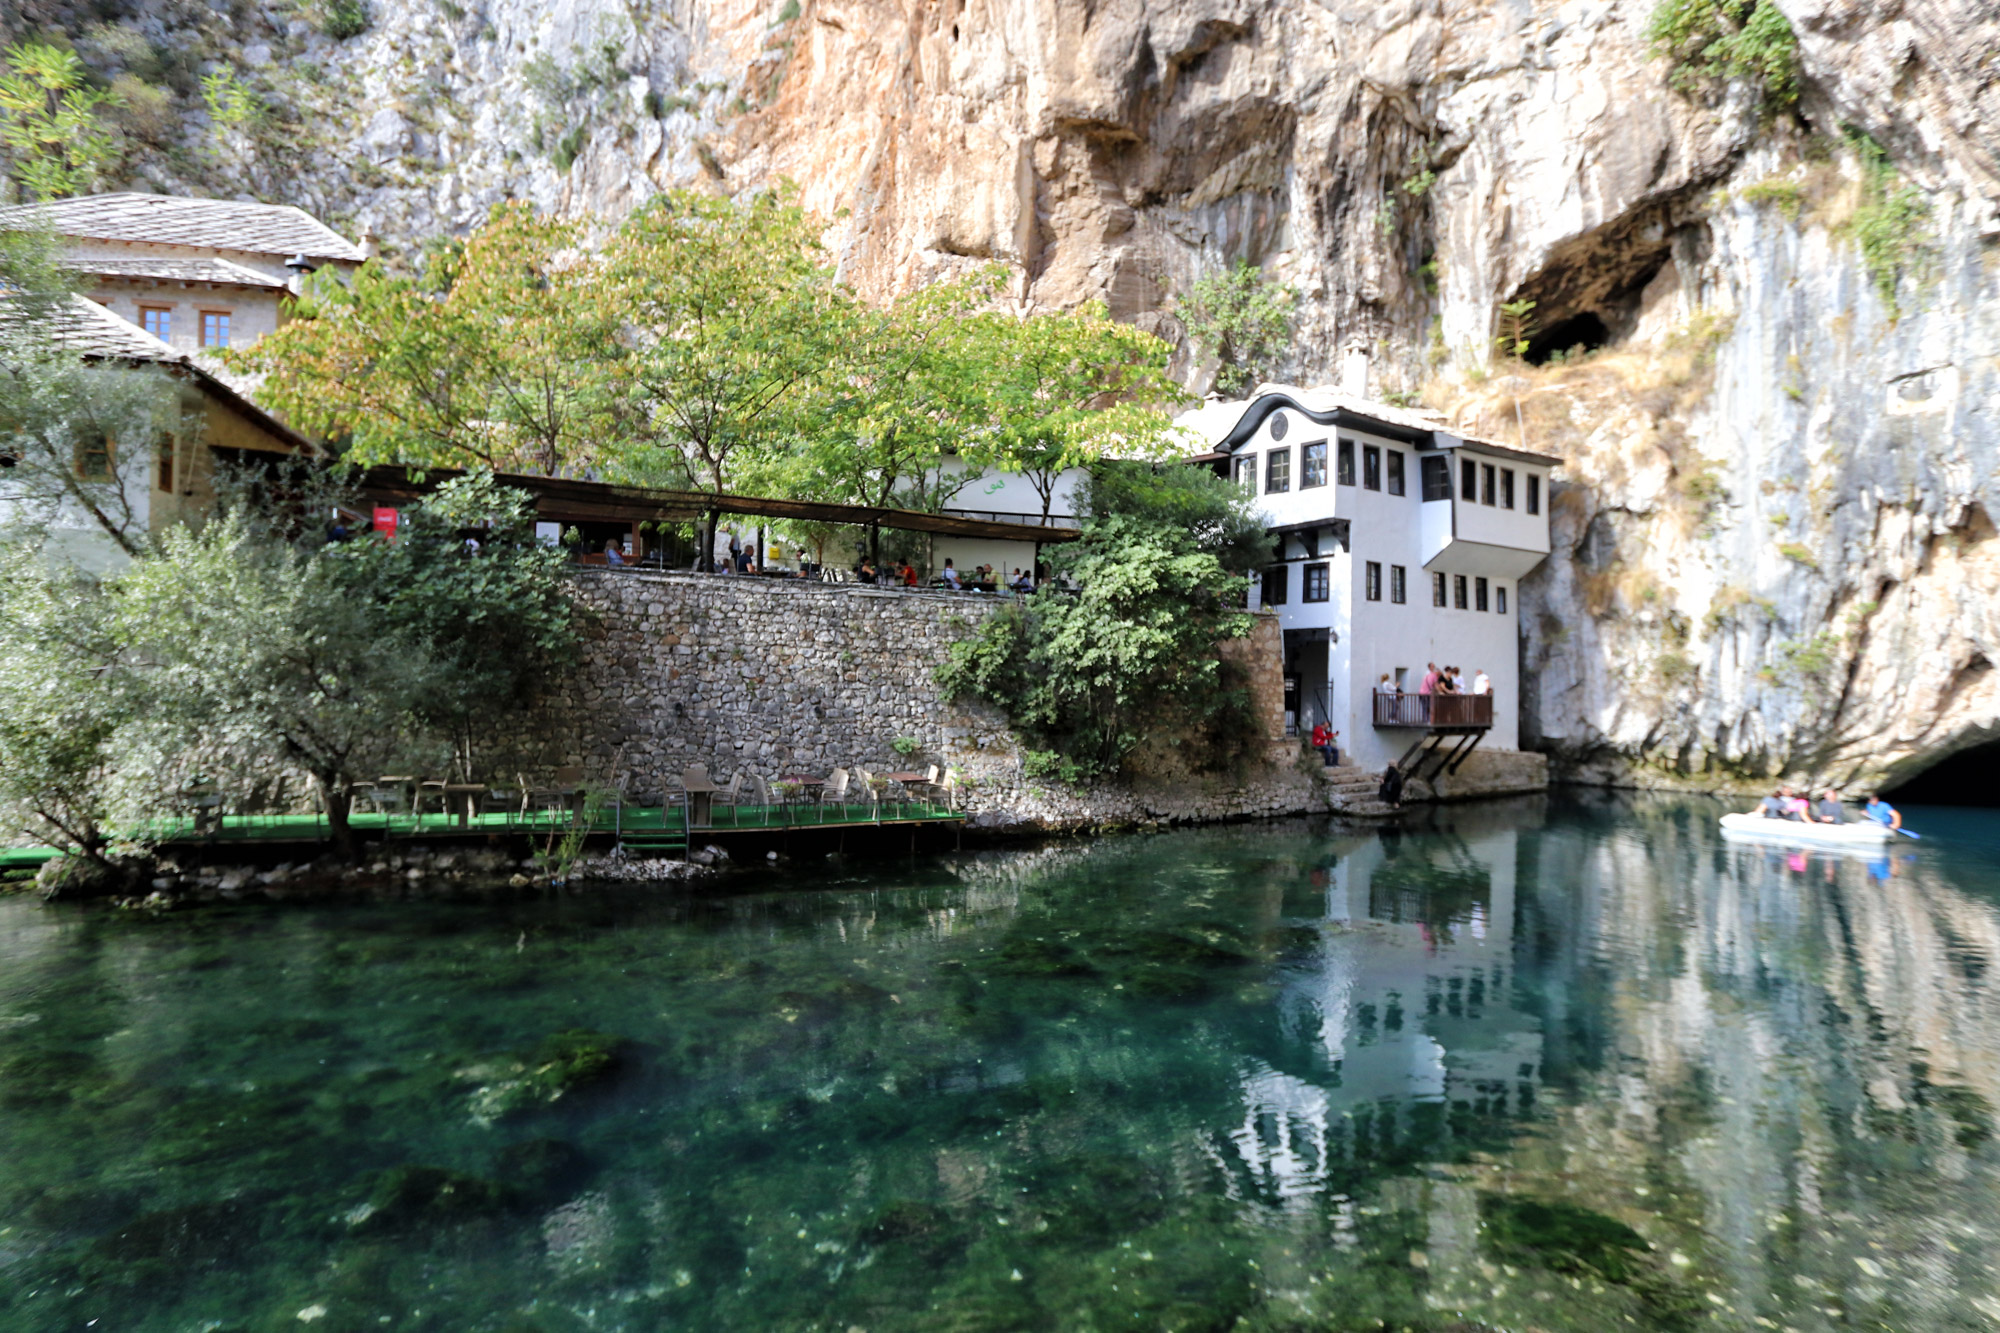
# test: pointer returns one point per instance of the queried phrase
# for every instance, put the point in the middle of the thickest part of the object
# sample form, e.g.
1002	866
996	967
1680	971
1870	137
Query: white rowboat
1865	835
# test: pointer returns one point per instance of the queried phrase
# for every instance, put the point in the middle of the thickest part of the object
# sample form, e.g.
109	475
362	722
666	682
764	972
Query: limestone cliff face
1775	535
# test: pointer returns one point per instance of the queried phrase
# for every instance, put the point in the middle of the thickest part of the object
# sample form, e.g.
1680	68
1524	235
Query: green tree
1065	390
1244	320
344	661
48	120
497	357
1087	675
67	698
731	318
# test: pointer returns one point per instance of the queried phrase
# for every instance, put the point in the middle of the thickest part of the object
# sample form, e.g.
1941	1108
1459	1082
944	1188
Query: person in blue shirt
1882	812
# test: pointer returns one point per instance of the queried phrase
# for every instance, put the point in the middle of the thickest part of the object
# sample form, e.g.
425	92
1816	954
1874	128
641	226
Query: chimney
1354	370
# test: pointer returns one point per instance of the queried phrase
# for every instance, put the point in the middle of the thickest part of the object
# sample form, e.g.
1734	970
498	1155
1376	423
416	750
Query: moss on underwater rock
560	1064
540	1169
1561	1236
424	1196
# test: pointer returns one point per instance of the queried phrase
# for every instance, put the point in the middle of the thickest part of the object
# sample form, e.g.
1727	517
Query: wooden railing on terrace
1433	710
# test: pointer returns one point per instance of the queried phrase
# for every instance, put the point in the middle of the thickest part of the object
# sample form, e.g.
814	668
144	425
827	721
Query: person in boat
1773	806
1882	812
1797	806
1828	810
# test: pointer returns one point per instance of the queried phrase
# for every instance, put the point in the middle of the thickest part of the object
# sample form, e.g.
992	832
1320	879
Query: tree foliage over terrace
705	343
489	358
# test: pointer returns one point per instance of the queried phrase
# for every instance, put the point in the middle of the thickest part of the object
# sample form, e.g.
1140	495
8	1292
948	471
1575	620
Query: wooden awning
566	499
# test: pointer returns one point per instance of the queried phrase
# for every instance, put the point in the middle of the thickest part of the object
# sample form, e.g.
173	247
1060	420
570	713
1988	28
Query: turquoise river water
1563	1065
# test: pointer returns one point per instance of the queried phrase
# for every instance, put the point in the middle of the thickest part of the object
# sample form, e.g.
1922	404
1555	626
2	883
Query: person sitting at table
950	575
612	555
1022	583
907	575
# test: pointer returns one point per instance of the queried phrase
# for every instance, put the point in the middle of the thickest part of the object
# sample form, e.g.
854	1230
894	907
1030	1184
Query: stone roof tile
162	219
169	269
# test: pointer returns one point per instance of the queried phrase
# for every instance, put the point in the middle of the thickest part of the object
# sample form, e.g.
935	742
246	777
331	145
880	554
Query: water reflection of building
1399	1025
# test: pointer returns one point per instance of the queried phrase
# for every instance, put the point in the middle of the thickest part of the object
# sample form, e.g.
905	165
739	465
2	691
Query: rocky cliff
1775	542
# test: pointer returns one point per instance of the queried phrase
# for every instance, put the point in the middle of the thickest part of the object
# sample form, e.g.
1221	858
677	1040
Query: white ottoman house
1396	543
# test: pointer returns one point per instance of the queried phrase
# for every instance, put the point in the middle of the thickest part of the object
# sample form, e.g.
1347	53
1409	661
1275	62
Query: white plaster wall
1517	528
1012	493
1383	636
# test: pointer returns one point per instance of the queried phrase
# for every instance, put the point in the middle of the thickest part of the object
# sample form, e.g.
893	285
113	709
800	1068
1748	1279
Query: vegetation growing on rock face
1889	226
1244	320
1087	675
1726	41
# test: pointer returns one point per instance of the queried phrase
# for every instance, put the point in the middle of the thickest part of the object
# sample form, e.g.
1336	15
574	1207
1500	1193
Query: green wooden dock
647	831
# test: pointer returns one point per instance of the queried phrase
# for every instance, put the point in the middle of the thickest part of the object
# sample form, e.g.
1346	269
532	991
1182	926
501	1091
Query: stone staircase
1351	791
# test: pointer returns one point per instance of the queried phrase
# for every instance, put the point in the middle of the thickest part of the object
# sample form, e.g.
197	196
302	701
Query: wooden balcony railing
1433	710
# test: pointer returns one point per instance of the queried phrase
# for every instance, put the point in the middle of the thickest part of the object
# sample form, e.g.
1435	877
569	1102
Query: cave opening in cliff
1585	332
1963	778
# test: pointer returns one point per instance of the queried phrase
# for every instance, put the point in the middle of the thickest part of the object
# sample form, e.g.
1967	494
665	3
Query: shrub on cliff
1244	320
1722	41
1086	675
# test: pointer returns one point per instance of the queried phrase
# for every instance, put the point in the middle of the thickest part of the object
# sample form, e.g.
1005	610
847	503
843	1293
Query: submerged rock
561	1064
413	1196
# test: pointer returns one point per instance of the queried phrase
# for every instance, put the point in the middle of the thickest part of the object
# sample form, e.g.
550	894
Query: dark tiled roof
177	270
214	224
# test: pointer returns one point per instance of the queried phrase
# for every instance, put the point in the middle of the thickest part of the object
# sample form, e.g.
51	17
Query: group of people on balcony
1439	680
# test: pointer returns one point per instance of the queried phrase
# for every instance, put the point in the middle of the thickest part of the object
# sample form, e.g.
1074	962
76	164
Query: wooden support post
1457	760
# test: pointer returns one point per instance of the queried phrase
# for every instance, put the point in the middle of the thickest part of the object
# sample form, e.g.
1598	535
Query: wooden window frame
167	311
207	314
1310	453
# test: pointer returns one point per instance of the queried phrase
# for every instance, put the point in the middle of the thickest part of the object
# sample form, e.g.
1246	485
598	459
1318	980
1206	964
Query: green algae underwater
1564	1065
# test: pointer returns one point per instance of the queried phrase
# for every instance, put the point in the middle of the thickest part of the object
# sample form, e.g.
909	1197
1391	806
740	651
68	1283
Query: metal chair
835	789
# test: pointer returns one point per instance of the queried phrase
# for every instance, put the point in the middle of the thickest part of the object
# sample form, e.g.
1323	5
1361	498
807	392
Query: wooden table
470	792
701	802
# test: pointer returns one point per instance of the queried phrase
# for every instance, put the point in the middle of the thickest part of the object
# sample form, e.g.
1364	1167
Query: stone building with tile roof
169	478
196	274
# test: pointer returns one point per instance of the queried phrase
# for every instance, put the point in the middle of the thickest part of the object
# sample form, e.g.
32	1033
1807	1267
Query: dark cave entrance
1585	332
1964	778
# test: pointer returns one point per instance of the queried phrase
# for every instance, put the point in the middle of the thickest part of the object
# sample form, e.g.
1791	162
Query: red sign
385	523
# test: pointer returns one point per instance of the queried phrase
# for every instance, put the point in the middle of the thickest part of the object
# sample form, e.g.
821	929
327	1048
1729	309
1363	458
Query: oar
1906	833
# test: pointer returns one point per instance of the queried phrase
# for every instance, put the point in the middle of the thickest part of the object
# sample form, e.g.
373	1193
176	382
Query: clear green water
1581	1066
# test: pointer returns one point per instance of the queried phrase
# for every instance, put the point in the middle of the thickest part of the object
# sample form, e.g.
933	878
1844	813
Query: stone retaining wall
775	676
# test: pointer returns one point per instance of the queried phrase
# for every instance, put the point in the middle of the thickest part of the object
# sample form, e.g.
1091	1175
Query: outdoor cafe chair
835	789
730	796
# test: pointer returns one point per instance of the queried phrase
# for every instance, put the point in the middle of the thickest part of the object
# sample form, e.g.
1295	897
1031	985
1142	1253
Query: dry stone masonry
778	676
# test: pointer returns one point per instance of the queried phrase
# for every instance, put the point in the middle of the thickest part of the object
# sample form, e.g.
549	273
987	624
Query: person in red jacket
1322	740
